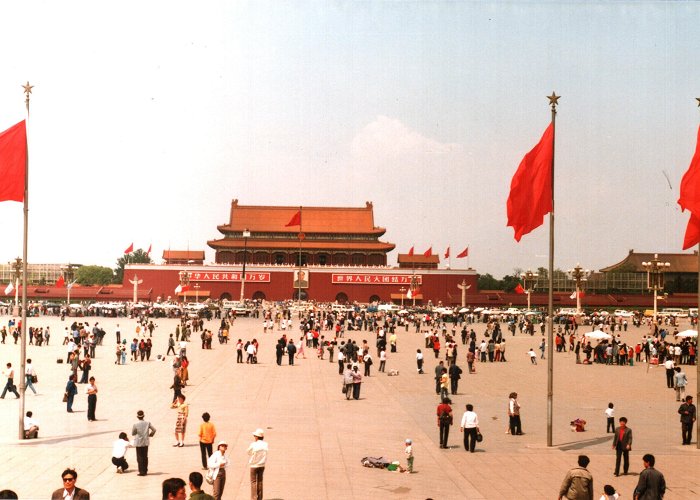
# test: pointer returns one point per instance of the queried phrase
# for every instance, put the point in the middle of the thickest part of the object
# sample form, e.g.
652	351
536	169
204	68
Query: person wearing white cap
257	451
217	464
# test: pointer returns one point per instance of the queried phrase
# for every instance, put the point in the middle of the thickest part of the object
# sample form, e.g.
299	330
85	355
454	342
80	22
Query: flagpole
301	234
697	344
23	332
550	303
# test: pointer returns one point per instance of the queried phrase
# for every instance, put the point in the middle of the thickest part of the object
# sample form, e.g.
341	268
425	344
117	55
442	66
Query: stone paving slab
317	438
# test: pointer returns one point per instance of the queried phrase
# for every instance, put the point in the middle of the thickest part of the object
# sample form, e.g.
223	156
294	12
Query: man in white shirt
669	365
257	451
119	452
470	428
31	427
10	384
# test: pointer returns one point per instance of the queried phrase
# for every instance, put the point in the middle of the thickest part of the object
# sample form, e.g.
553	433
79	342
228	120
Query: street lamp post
403	291
184	281
68	277
246	235
17	266
579	275
196	287
529	279
655	277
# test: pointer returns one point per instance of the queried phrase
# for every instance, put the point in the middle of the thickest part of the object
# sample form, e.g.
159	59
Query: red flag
428	252
690	198
530	197
465	253
447	253
60	282
130	249
296	220
149	249
13	160
410	252
519	289
182	288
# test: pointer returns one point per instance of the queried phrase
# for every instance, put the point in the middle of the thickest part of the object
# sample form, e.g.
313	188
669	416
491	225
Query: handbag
344	389
209	477
35	379
65	397
479	437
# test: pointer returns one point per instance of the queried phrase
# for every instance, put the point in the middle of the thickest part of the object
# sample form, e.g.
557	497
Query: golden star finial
698	99
27	88
553	99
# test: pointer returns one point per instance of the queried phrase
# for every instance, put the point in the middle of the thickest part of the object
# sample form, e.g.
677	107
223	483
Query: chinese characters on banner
375	279
233	276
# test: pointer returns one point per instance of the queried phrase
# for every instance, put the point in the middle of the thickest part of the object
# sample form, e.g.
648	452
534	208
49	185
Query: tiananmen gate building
325	254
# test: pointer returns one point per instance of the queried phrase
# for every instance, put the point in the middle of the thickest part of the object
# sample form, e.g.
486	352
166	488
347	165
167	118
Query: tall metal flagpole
550	305
697	344
23	332
301	237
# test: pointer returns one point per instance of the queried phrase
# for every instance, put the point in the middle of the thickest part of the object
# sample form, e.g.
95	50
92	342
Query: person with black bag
444	421
470	427
10	384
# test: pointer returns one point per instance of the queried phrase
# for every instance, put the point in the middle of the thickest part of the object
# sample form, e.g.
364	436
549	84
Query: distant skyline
147	119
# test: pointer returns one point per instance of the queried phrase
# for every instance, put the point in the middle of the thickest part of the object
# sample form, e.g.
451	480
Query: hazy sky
148	118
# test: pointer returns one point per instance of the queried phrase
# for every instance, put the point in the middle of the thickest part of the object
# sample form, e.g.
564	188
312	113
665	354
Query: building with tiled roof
323	236
195	257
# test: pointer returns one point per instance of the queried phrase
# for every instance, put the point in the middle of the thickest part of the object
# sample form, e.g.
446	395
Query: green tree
94	275
488	282
138	257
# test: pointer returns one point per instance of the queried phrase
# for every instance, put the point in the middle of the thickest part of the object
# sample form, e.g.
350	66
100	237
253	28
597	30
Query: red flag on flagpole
60	282
519	289
130	249
13	160
428	252
530	197
464	254
410	252
447	253
690	198
149	249
295	221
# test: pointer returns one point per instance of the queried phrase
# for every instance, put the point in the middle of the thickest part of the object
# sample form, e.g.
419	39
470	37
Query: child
409	456
533	356
609	493
610	413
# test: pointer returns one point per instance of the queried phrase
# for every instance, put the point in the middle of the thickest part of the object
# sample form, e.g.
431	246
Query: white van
388	308
678	312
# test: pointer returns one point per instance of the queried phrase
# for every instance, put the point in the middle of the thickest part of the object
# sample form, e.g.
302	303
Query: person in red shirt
444	421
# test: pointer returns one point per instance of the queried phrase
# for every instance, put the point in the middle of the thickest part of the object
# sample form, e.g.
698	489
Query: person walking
356	383
669	365
578	482
651	484
29	376
680	380
347	381
217	464
470	427
455	373
514	415
207	435
70	490
177	386
257	453
444	420
183	411
368	363
419	362
71	391
119	453
438	374
688	414
91	400
622	444
291	351
9	372
382	360
144	431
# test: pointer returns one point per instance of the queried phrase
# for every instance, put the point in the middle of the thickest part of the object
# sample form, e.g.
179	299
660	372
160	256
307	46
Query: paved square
317	438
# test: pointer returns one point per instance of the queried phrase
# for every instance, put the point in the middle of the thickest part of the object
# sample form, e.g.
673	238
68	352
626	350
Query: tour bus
678	312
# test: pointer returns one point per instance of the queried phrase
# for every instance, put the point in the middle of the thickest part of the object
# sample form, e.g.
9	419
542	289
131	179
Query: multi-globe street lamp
655	277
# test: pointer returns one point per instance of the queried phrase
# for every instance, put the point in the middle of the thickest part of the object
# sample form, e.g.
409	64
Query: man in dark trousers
438	374
651	485
455	374
444	421
688	414
291	351
144	431
622	444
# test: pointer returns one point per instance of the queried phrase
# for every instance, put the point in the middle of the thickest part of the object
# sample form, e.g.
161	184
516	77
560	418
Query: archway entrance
258	296
341	298
225	296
